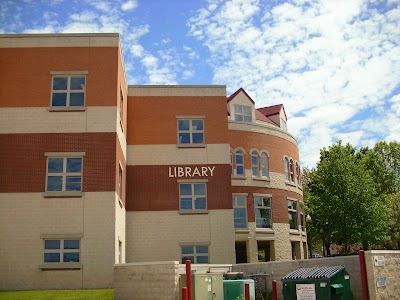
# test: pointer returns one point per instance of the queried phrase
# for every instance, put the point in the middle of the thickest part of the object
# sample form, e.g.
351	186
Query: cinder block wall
146	281
278	269
388	268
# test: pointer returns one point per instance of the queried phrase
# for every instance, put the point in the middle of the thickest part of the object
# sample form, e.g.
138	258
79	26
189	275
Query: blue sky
334	64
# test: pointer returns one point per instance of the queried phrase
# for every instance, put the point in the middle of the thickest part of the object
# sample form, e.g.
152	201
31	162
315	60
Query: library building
96	172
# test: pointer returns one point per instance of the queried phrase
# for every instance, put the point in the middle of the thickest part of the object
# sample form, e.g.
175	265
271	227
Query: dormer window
283	124
243	113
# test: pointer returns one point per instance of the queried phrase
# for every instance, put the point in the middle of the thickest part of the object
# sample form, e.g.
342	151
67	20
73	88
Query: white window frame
68	91
264	167
292	211
302	218
236	205
262	206
255	167
240	113
283	124
192	196
286	166
191	130
242	153
121	108
120	180
291	171
195	254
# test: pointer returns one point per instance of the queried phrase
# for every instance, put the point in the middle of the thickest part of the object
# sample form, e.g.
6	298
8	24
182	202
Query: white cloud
129	5
326	61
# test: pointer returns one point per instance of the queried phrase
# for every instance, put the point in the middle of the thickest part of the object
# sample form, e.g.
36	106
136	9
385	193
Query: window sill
193	212
66	108
294	231
191	145
60	266
63	194
290	183
260	178
240	177
242	230
265	230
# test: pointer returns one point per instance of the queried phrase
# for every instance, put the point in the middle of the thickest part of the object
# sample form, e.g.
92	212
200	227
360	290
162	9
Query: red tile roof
271	110
261	117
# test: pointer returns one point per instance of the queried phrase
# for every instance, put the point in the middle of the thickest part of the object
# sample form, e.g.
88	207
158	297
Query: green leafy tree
342	199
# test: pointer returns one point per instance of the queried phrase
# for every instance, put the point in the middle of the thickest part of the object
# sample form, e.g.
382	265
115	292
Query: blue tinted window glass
55	165
73	183
257	201
202	259
71	257
201	249
199	189
71	244
51	257
187	250
241	200
76	99
77	83
200	203
185	189
239	158
59	99
184	138
239	170
197	124
198	138
184	124
186	203
54	183
60	83
52	244
74	165
267	201
254	159
239	217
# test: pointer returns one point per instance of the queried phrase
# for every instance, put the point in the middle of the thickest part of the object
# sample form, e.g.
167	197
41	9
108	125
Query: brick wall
23	162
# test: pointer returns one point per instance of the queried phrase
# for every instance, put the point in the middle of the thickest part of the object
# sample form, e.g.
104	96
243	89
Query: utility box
325	283
204	286
235	288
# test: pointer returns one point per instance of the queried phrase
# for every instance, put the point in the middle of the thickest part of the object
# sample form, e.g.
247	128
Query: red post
274	290
363	271
184	293
189	278
247	291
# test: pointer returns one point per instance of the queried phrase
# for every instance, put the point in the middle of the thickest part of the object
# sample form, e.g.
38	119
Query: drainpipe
363	271
189	278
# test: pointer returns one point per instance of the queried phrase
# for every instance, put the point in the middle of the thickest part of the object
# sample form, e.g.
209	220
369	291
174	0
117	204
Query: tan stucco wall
158	235
120	219
24	217
390	270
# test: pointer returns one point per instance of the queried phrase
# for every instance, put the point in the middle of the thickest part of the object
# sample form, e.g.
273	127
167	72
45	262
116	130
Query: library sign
191	171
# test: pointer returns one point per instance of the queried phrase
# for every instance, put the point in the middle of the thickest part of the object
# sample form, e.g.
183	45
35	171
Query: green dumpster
322	283
235	288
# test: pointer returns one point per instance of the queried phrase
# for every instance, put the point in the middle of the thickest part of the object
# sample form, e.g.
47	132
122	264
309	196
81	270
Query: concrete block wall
388	269
146	281
278	269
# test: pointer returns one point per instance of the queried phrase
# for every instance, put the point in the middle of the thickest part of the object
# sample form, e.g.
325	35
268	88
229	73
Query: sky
333	64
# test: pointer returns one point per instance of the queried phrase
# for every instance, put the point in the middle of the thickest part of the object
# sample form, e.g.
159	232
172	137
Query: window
283	124
292	210
231	155
262	205
286	165
298	173
121	108
64	174
264	165
191	132
242	113
61	251
192	196
264	251
68	90
255	163
239	211
239	159
291	170
119	181
302	218
196	254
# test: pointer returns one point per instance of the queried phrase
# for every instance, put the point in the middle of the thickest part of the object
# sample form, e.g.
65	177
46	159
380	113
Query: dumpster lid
314	273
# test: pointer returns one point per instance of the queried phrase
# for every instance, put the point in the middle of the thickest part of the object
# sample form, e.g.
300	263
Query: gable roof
261	117
237	92
272	110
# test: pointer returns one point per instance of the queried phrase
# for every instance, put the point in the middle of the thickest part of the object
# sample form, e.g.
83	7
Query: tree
342	199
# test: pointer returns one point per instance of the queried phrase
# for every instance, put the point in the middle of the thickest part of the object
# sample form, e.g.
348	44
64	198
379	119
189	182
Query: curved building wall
276	241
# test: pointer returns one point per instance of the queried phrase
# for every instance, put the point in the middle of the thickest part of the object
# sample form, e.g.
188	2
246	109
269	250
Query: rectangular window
292	210
239	211
242	113
283	124
119	181
68	90
191	132
302	218
196	254
64	174
61	251
121	108
262	206
192	196
239	159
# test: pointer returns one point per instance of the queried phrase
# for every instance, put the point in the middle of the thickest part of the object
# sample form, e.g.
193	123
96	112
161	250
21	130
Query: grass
105	294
